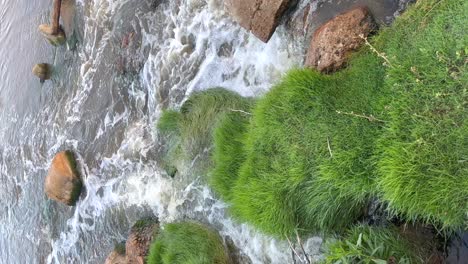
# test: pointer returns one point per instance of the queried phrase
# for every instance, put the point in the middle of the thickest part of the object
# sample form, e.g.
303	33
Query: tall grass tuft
190	130
305	162
423	162
187	243
229	152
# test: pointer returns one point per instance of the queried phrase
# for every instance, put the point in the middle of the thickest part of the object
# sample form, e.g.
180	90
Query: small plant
371	245
187	242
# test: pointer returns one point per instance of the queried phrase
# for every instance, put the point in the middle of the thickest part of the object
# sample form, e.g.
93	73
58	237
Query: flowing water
133	59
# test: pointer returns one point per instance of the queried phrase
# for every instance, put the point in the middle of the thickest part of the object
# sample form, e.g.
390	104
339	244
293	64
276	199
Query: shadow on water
457	250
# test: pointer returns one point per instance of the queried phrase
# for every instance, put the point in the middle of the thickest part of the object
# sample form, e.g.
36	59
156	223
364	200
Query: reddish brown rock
116	258
63	183
335	40
261	17
139	241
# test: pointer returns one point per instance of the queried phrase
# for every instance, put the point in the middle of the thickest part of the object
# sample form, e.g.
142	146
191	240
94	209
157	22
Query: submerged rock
261	17
42	71
335	40
139	240
63	182
56	39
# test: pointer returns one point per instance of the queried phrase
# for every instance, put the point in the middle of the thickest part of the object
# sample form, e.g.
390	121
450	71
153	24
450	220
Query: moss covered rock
63	182
139	241
57	39
189	131
188	242
42	71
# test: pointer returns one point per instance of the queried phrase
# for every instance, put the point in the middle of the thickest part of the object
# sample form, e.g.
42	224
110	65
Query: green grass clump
229	152
169	122
372	245
423	159
190	130
317	148
187	243
306	159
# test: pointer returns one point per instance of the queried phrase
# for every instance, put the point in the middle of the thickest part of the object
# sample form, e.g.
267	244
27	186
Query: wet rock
139	240
261	17
42	71
333	42
236	256
425	240
299	22
67	13
116	257
63	182
55	39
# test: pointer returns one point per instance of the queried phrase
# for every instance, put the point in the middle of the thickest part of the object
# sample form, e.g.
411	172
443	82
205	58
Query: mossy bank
313	153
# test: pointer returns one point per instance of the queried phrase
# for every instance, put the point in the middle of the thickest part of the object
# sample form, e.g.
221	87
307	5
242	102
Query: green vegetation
424	151
190	130
312	153
364	244
229	153
306	162
319	147
187	243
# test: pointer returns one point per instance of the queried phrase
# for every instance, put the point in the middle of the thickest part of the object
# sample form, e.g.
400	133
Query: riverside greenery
189	130
312	153
423	153
371	245
187	243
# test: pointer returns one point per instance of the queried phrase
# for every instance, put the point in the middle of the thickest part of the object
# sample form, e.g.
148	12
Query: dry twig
302	247
380	54
294	250
371	118
240	111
